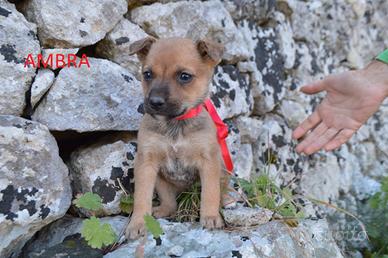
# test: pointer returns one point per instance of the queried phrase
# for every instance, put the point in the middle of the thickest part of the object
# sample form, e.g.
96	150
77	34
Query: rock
64	229
249	127
230	92
34	184
102	97
175	251
274	239
293	112
246	217
69	24
251	10
194	20
243	161
274	152
42	83
115	46
17	40
47	52
98	167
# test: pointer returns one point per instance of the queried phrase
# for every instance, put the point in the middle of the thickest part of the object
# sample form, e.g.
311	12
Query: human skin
352	97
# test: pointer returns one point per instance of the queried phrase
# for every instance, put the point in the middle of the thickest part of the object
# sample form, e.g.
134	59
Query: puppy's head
176	73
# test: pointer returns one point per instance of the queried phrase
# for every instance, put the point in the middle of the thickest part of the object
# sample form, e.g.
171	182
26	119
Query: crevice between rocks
70	140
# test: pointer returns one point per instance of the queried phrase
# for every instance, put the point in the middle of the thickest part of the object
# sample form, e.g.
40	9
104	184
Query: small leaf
126	203
89	201
96	234
153	226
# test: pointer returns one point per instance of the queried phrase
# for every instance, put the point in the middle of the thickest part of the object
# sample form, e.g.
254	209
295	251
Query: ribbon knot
222	129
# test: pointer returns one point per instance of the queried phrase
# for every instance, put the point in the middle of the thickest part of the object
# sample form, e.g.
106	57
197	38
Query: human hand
352	97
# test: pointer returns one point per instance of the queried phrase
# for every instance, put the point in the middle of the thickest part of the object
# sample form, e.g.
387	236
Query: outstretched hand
352	97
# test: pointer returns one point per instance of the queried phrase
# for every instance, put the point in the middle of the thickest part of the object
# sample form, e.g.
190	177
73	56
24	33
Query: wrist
377	73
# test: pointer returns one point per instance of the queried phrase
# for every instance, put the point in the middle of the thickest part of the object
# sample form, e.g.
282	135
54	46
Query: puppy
172	154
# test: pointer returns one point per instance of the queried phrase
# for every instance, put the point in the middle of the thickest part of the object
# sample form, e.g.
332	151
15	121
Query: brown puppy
172	154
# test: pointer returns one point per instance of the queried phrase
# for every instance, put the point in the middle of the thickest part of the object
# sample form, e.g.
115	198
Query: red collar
222	129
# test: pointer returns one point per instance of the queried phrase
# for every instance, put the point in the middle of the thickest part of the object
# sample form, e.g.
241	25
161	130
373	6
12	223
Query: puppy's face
176	73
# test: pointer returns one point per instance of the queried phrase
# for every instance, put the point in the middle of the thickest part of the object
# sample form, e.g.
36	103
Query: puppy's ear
210	51
141	47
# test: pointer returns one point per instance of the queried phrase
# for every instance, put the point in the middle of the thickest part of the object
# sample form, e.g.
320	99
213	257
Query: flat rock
17	40
101	168
274	239
34	183
103	97
195	20
246	217
71	24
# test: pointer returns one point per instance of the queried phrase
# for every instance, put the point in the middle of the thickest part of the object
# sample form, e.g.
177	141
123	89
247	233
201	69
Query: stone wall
272	48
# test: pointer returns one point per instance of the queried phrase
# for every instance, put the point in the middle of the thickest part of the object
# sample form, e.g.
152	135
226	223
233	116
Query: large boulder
274	239
196	20
115	46
34	183
71	24
105	168
103	97
17	40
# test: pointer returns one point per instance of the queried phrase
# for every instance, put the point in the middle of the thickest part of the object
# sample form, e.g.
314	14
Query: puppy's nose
156	102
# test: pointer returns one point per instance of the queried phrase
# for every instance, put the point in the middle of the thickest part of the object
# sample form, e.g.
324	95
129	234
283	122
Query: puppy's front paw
135	228
212	222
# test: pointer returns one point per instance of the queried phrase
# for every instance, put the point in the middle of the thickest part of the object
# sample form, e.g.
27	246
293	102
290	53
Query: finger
317	132
314	87
322	140
342	137
306	125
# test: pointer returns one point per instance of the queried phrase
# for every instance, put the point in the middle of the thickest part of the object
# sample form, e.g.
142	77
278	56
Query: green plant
377	223
262	191
97	235
126	204
189	204
153	226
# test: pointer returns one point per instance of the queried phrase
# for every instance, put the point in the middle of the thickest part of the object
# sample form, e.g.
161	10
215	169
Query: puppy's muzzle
156	102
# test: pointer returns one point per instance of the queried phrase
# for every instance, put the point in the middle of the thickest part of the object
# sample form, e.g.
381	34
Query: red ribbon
222	129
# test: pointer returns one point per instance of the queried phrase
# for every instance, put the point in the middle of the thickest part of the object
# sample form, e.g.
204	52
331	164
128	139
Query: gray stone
196	20
230	92
65	228
17	40
71	24
252	10
115	46
246	217
103	97
34	184
274	152
47	52
98	168
249	127
274	239
42	83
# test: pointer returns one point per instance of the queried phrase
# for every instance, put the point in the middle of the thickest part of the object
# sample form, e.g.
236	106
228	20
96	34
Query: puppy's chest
179	164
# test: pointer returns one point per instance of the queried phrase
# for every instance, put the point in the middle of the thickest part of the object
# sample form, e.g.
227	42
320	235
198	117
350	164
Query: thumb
314	87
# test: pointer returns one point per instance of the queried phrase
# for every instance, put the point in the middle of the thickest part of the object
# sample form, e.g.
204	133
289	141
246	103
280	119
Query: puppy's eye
147	75
185	77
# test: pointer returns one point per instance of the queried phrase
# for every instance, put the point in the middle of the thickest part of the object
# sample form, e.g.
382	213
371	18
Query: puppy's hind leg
167	195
